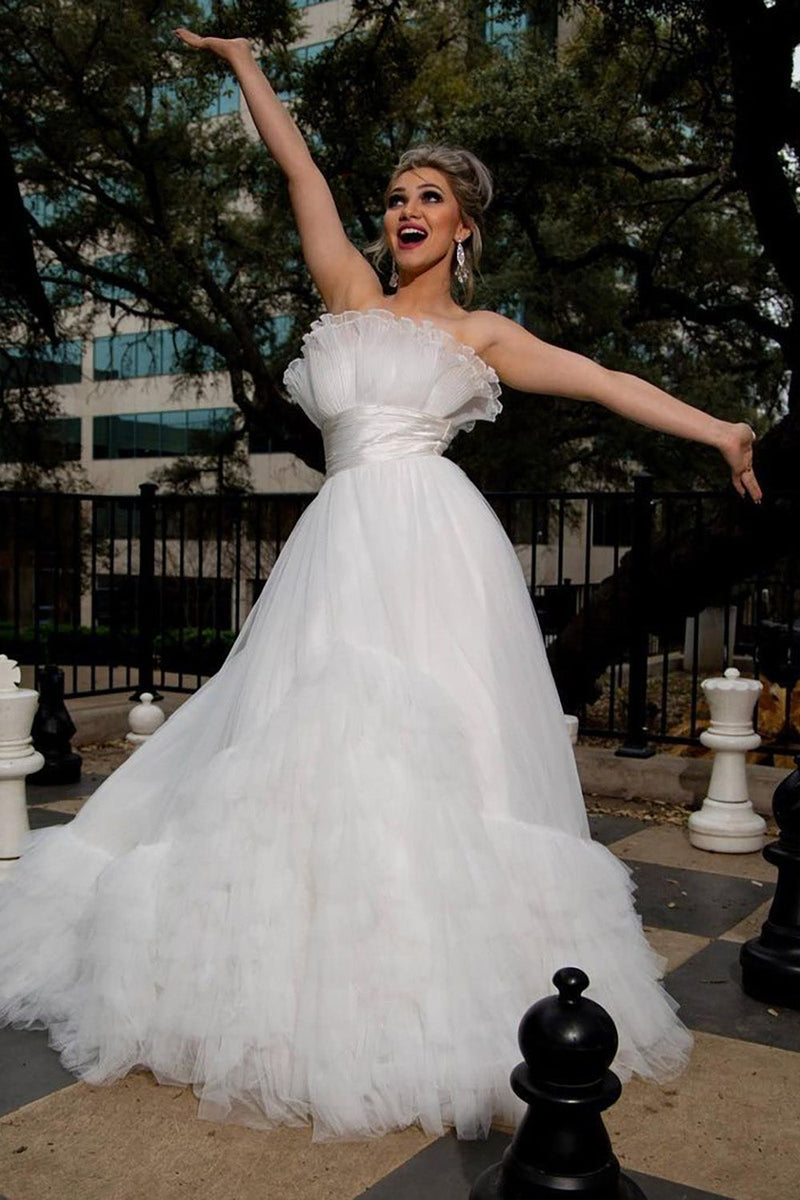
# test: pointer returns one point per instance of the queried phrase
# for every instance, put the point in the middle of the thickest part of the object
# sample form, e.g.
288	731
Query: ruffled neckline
427	329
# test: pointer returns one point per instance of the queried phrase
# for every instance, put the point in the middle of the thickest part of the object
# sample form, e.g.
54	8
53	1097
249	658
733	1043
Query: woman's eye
393	201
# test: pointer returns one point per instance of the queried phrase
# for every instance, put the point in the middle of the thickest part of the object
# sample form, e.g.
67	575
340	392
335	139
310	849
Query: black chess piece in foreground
561	1148
771	962
52	729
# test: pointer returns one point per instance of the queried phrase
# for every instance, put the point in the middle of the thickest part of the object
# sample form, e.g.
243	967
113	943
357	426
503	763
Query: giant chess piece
52	729
727	822
771	962
561	1147
18	759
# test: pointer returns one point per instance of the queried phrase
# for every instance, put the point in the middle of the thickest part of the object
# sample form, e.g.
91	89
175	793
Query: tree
104	113
645	214
172	217
739	58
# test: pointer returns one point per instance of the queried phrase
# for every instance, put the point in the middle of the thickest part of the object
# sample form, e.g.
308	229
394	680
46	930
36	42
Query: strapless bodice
380	386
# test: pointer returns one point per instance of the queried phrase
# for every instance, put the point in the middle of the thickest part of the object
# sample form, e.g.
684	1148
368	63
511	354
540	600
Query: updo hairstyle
472	188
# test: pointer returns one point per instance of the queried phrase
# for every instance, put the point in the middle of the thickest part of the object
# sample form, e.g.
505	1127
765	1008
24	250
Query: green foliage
618	230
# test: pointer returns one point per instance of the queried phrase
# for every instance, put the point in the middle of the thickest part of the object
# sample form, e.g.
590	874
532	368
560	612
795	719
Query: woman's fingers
749	485
744	477
738	453
191	39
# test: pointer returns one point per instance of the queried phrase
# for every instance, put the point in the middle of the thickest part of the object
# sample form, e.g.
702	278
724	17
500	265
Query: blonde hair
472	187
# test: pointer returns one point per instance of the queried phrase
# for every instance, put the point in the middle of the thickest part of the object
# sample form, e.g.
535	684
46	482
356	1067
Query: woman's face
422	221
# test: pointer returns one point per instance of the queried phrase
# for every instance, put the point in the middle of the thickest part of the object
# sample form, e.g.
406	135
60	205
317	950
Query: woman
330	885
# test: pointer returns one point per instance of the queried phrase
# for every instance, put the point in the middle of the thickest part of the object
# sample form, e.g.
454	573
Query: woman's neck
426	295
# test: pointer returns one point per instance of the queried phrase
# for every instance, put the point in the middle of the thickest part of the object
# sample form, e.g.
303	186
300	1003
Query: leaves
619	230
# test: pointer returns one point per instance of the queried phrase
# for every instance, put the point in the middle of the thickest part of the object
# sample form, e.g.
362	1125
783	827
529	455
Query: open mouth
411	235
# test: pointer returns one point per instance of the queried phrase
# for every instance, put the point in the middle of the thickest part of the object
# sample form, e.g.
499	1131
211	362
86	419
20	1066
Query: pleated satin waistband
374	433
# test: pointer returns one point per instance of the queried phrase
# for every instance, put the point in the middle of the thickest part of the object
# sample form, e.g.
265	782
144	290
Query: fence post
146	592
635	745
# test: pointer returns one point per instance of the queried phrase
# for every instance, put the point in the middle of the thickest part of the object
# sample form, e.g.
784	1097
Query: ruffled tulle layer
360	957
331	885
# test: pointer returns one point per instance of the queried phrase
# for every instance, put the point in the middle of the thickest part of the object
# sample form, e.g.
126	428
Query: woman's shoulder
484	328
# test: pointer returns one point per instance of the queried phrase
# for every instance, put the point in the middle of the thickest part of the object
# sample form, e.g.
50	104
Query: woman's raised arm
526	362
343	276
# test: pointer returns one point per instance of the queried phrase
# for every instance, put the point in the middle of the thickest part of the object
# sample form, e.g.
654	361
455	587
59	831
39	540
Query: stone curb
662	779
666	778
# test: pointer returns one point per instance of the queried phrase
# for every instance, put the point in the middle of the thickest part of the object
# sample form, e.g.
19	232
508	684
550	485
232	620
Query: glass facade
226	100
168	94
154	352
63	286
115	262
42	365
300	55
307	53
502	29
274	333
55	440
46	211
161	434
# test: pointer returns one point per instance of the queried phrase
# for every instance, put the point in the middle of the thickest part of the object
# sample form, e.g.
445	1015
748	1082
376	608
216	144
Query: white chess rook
18	759
727	823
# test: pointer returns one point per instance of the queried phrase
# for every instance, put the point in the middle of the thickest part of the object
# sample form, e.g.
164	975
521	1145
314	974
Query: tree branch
691	171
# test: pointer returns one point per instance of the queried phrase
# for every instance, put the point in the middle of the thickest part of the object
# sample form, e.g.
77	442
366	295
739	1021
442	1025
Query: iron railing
148	592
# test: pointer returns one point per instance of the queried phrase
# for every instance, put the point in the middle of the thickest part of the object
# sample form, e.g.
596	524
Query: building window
305	54
156	352
261	442
41	365
612	521
45	442
503	30
176	94
162	434
123	263
62	285
226	100
46	211
274	333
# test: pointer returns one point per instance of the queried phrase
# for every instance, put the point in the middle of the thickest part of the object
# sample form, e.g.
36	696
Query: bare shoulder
486	330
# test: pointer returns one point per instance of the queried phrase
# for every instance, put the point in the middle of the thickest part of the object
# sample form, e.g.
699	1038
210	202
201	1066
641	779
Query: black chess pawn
771	962
561	1147
52	729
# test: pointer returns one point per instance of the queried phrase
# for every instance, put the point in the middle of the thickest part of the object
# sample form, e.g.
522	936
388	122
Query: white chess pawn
18	759
144	719
726	822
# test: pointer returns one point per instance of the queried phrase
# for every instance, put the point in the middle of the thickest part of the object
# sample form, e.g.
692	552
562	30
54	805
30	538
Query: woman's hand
736	448
226	48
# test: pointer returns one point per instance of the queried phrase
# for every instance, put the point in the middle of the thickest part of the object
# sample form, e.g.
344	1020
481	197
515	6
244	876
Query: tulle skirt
329	887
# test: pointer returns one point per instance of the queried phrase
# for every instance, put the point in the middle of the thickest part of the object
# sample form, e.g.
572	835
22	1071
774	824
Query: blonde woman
328	888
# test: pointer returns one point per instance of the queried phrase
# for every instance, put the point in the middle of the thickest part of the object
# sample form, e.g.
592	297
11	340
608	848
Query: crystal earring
394	278
461	272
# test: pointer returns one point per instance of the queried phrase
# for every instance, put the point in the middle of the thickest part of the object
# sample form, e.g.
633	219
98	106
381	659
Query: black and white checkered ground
727	1128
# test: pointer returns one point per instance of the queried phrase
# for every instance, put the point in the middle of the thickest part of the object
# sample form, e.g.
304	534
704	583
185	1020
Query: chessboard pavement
726	1129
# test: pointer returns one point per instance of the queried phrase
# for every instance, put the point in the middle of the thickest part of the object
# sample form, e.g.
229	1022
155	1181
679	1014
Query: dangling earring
394	278
461	272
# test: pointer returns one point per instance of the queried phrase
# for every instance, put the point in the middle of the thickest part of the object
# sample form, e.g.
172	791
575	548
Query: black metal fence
148	592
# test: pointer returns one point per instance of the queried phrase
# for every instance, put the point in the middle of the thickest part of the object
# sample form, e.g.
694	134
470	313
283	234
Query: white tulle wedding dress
331	884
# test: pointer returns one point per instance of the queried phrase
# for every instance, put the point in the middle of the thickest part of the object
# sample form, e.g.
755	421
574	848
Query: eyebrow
400	188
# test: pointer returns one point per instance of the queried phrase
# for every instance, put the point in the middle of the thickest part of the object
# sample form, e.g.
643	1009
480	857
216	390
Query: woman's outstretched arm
343	276
526	362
